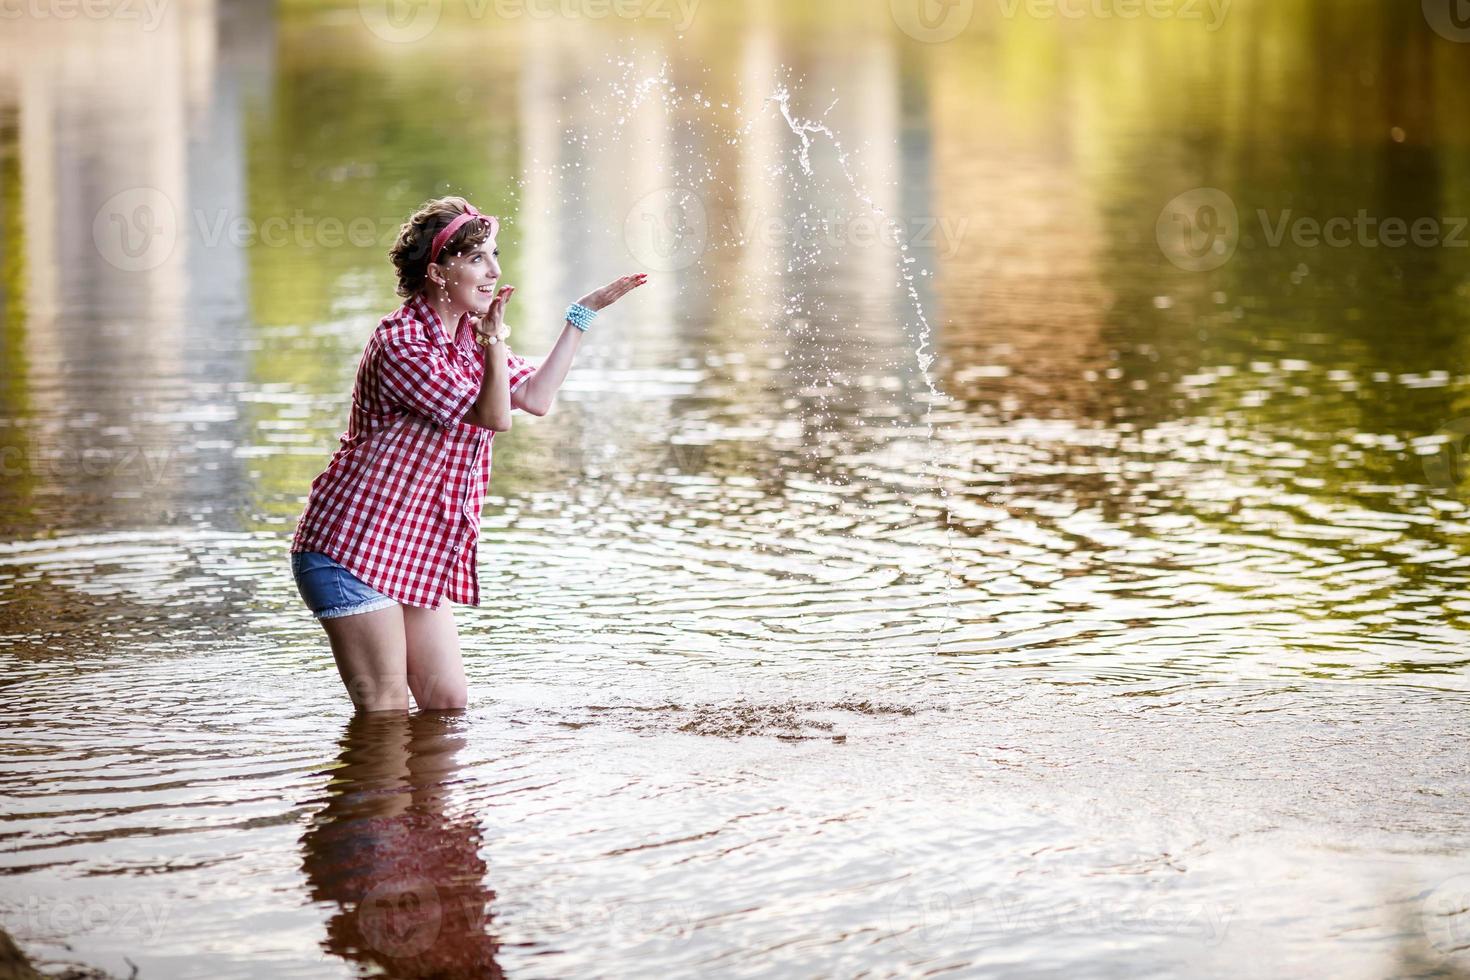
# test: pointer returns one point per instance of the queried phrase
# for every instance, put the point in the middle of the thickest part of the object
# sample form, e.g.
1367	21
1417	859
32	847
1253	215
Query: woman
391	526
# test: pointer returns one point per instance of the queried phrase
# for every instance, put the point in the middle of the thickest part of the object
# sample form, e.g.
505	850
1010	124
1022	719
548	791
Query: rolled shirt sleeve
520	369
423	378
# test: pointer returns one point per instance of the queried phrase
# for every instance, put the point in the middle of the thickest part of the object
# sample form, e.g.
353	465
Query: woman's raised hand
600	299
491	327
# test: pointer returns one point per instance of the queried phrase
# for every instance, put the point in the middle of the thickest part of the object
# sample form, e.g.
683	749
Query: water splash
805	130
638	85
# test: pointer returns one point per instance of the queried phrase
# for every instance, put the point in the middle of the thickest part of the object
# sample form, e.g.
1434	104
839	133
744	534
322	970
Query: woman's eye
496	253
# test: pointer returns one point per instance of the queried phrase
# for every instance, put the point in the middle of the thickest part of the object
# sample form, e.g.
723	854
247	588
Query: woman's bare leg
435	668
371	653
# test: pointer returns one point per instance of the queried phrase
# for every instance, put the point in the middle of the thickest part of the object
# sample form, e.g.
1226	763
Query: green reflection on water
17	486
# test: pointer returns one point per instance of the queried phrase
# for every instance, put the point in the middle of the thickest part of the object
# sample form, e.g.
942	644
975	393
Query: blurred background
1041	435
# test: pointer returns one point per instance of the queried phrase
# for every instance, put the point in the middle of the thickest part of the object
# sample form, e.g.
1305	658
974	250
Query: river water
1126	637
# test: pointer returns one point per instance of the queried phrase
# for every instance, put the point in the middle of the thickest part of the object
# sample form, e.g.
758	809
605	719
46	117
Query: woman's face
469	278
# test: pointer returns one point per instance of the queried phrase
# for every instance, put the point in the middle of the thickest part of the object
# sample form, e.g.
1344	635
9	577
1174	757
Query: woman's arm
538	394
491	410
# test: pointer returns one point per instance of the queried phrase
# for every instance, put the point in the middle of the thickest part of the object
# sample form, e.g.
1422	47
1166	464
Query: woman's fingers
614	291
498	304
619	288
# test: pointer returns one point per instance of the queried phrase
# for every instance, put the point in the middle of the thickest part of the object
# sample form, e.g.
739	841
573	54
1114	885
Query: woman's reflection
407	880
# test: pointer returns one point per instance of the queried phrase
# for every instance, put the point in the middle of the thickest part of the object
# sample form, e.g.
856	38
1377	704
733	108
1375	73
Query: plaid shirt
399	504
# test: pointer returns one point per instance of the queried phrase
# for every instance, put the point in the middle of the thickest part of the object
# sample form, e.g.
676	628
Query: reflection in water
125	326
403	871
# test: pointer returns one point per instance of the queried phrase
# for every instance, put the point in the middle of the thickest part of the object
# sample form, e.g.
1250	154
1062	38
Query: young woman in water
391	527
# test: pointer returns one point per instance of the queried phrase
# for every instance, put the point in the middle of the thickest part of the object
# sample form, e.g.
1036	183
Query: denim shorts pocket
319	580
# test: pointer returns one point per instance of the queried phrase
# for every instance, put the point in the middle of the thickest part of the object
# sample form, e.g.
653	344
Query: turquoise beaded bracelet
581	316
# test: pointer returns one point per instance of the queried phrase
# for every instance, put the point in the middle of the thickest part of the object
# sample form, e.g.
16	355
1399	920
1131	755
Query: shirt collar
425	314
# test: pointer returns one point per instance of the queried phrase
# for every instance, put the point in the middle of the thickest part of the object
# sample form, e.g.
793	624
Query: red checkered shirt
399	504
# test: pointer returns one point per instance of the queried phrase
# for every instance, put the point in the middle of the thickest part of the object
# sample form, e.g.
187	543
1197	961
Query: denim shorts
330	590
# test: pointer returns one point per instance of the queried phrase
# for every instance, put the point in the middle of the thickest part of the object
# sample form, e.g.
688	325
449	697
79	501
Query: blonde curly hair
410	252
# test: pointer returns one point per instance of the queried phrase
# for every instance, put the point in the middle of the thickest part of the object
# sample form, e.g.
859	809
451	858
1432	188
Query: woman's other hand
601	299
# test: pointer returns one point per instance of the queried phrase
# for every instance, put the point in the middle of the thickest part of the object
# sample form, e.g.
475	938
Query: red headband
470	214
